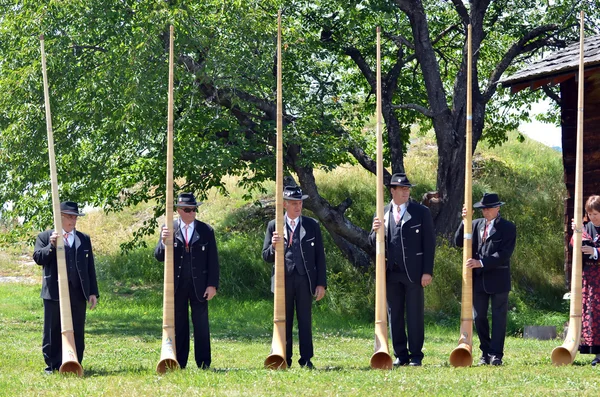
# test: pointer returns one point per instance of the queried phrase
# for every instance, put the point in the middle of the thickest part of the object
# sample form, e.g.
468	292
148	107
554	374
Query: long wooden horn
69	350
462	355
566	353
168	358
381	358
277	359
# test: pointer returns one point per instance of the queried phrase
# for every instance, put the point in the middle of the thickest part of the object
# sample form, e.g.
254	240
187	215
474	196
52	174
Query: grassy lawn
123	348
123	333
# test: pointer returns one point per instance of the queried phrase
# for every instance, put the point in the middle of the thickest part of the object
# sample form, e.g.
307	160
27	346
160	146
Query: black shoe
495	360
415	362
595	361
484	360
307	364
288	362
399	362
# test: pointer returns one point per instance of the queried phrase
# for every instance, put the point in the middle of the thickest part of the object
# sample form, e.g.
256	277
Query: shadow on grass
88	373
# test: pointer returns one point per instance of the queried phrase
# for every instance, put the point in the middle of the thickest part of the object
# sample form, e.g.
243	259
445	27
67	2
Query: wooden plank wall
591	149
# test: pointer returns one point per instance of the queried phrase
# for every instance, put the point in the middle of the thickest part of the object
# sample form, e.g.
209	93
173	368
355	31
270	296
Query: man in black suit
196	265
305	270
83	287
494	241
410	250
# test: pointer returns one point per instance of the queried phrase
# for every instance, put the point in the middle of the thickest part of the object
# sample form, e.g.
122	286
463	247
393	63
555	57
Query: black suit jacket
44	254
495	253
418	239
311	244
205	259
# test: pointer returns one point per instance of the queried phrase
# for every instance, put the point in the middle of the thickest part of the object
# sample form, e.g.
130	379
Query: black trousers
298	296
481	300
405	296
183	296
52	337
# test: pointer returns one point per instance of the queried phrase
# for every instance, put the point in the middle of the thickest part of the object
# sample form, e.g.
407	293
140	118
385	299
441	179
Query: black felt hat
70	208
186	200
489	200
400	179
293	193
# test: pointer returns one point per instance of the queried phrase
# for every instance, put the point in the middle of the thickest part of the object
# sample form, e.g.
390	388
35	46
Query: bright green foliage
107	66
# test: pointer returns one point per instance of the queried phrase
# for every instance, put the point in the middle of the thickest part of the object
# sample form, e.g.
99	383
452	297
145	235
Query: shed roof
558	66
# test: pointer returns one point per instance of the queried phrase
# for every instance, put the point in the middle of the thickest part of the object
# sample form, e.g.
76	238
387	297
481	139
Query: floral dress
590	295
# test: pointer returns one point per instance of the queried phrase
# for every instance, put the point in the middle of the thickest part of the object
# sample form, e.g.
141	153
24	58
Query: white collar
402	206
288	220
182	225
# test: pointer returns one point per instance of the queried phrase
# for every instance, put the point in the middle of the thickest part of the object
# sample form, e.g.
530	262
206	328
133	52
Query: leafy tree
108	73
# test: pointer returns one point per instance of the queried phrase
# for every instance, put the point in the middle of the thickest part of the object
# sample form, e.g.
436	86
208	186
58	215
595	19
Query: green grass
123	334
123	347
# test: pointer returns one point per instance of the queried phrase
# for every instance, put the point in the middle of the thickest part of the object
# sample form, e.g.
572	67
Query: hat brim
401	184
492	205
69	212
304	197
188	205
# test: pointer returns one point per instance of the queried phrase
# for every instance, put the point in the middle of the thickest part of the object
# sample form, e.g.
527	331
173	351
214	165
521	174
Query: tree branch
363	159
421	109
462	12
443	34
516	49
362	64
400	41
551	94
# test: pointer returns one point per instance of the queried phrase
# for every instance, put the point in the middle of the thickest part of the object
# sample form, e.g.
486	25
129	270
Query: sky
548	134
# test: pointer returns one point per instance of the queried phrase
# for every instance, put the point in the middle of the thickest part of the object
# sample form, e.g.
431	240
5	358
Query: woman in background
590	330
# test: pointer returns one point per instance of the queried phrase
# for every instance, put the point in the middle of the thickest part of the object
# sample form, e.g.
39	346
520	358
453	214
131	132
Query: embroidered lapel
195	234
407	216
302	230
386	217
77	241
178	234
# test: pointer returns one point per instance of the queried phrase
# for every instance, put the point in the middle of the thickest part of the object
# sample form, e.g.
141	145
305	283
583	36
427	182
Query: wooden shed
562	68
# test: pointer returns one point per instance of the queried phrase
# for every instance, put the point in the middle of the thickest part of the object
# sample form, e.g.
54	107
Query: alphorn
565	354
70	363
168	358
381	358
462	355
277	359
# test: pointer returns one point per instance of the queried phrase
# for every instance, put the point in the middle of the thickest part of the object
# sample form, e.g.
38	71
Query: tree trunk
352	240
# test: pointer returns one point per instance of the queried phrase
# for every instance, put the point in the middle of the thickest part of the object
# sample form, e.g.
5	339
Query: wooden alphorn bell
462	355
381	358
168	356
277	358
565	354
70	363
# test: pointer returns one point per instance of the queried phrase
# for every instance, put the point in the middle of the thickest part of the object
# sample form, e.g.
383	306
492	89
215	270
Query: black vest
293	252
71	257
72	274
395	252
